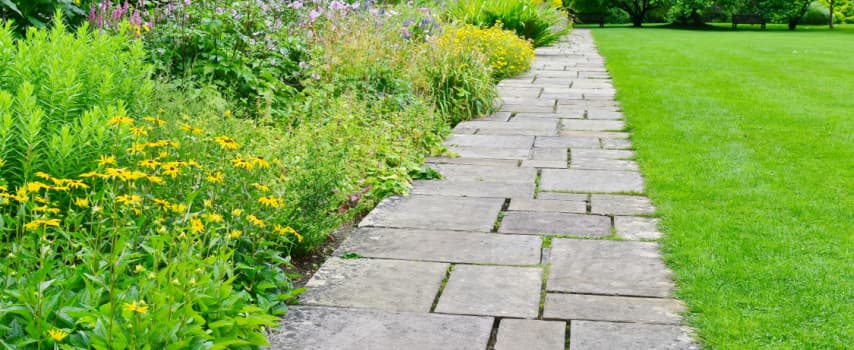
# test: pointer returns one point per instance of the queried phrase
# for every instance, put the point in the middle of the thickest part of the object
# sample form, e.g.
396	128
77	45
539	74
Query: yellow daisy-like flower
136	149
37	223
163	204
272	202
149	163
216	177
82	202
213	217
228	113
256	221
75	184
118	120
129	199
44	176
178	208
235	234
46	209
226	142
35	186
138	131
241	163
260	162
287	230
106	160
171	169
261	187
137	307
155	179
236	212
139	269
196	225
57	334
191	129
154	120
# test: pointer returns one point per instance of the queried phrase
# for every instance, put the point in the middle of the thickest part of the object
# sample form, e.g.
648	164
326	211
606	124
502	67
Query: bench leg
734	25
763	25
601	24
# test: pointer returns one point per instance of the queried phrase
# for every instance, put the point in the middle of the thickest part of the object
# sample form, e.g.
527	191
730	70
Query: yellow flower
287	231
155	179
107	160
236	212
75	184
172	169
214	218
46	209
273	202
163	204
139	269
178	208
261	187
149	163
196	225
235	234
154	120
228	113
256	221
57	334
35	186
137	307
117	120
136	149
241	163
44	176
216	177
191	129
260	162
129	199
81	202
32	225
226	142
138	131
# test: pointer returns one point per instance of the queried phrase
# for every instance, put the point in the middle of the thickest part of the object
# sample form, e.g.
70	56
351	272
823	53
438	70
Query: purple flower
313	14
296	5
338	5
315	76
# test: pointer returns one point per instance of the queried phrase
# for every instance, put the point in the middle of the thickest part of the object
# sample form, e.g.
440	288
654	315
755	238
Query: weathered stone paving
538	236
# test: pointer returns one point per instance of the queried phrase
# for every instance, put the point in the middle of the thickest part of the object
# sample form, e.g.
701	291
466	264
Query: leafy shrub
39	13
530	19
57	90
247	48
816	14
507	54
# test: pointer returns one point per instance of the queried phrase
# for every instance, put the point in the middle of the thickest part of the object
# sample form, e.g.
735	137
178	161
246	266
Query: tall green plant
57	91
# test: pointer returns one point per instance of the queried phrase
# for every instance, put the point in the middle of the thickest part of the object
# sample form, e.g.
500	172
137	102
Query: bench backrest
590	17
747	18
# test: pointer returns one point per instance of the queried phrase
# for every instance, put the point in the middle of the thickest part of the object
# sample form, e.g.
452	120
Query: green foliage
816	14
56	92
530	19
40	13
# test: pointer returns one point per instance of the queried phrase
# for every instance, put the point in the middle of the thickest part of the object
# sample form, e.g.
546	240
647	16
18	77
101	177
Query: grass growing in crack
745	140
546	271
442	287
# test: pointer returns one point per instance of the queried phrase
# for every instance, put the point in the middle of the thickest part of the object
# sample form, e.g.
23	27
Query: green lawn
746	140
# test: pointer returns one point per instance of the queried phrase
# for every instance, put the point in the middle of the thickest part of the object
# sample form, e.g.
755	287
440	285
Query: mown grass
746	140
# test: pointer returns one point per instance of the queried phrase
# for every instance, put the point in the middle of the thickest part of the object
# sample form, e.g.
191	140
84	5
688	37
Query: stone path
537	238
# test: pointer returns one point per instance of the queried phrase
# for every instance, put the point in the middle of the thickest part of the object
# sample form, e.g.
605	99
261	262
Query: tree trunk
793	22
637	21
830	19
697	18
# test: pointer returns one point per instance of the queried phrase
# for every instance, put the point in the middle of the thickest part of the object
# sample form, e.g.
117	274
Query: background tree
841	11
785	11
638	9
698	12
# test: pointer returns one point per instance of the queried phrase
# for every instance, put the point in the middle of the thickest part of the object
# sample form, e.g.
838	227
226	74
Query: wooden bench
753	18
590	18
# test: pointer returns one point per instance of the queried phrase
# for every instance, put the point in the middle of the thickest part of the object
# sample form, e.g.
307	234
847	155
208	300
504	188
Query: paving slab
562	196
611	308
551	154
635	228
375	284
516	334
545	128
443	246
492	291
603	153
593	335
529	108
531	223
496	141
435	212
612	204
491	153
474	188
565	142
593	125
553	164
587	163
548	205
499	116
322	328
461	172
596	134
616	144
608	267
591	181
474	161
604	114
